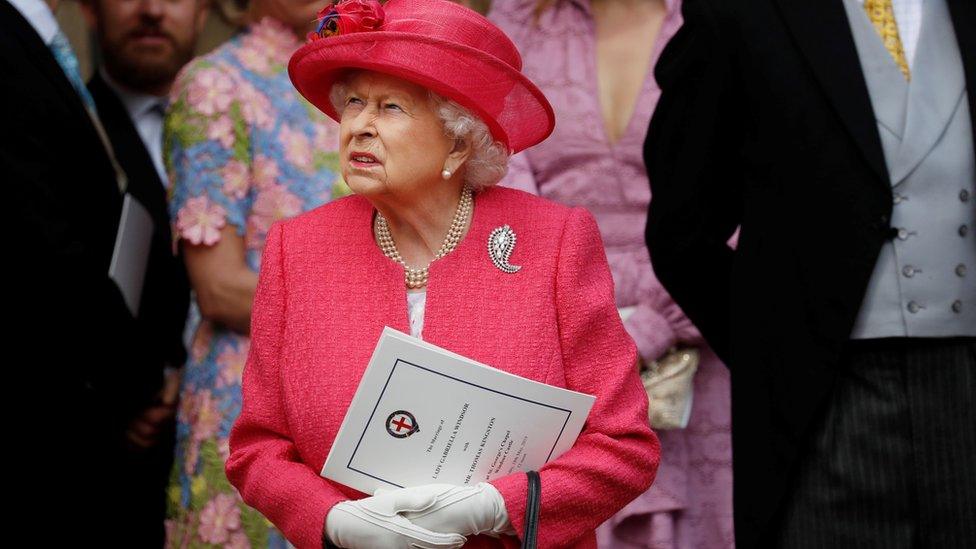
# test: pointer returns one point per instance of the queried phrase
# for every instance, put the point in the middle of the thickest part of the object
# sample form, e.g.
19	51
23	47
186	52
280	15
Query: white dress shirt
146	112
908	17
39	15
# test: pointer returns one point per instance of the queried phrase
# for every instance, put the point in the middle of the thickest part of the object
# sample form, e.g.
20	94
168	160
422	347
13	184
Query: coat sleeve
616	455
264	464
695	171
658	324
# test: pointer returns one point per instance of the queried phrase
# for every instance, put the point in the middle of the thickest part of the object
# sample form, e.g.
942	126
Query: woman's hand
468	510
379	521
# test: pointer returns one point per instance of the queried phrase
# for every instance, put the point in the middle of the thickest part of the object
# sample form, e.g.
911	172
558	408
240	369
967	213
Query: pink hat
442	46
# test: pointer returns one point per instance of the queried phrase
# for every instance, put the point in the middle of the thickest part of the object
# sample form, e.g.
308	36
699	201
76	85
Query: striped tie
883	17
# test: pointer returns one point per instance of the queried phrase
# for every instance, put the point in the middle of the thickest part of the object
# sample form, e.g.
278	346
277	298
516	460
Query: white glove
377	522
468	510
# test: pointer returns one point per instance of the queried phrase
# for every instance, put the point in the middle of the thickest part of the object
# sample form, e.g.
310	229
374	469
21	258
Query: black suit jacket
78	364
166	291
765	123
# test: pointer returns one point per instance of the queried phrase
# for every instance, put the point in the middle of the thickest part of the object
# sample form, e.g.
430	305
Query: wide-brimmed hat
442	46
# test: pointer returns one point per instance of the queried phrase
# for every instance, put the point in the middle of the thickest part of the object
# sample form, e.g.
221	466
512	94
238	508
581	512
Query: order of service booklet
425	415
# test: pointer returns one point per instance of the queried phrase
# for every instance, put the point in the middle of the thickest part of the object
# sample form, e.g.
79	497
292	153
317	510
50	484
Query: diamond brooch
501	242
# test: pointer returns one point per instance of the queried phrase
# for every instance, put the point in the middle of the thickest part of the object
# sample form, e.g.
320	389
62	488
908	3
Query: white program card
425	415
131	254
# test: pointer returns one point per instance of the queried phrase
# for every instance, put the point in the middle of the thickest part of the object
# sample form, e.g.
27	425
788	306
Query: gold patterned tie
883	17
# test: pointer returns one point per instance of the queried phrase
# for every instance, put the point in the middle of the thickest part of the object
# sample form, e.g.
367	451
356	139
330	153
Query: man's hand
143	431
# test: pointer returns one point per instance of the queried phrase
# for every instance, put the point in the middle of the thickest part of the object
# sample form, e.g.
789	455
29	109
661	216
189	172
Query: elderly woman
431	103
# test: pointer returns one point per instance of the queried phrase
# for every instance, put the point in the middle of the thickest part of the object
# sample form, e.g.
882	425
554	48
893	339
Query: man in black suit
143	46
83	361
840	141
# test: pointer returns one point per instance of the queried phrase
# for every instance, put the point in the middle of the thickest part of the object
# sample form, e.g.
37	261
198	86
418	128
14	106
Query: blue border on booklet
349	466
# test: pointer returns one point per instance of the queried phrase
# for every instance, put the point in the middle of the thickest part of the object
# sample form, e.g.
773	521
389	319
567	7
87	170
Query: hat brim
515	110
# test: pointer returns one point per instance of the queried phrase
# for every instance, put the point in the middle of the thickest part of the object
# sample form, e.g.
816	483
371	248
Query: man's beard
143	70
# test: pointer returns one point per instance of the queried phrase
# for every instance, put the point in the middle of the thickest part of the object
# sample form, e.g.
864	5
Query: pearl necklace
417	278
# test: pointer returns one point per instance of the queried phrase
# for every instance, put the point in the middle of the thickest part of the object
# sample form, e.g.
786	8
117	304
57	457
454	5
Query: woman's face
390	139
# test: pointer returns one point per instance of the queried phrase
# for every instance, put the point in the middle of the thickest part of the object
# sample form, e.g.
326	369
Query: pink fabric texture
690	503
324	295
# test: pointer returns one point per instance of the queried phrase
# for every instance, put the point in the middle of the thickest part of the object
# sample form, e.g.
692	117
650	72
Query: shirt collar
39	15
137	104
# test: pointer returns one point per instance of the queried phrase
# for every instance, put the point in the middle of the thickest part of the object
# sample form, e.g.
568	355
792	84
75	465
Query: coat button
913	307
963	230
964	195
957	306
909	271
897	198
903	234
960	270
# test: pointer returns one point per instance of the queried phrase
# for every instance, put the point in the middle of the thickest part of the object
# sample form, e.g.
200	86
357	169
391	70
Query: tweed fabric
324	295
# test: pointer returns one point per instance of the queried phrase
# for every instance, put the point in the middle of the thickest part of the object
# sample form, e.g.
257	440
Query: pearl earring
446	174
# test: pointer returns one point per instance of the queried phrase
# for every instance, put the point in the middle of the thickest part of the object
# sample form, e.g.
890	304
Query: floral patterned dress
244	149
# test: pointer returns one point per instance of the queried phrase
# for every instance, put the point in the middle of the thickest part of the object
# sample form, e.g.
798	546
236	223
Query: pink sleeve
616	456
659	324
520	175
264	464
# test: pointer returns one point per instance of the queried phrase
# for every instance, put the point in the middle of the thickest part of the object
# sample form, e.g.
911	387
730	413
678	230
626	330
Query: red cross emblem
401	424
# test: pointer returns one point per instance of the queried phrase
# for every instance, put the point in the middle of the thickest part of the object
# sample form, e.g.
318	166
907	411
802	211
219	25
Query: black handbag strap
533	499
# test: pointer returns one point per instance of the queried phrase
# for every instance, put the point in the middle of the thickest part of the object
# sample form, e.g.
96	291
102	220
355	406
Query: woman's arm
264	464
208	157
223	283
658	324
615	457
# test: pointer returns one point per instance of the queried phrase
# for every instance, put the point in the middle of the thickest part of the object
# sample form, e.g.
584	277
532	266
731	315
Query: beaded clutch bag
669	387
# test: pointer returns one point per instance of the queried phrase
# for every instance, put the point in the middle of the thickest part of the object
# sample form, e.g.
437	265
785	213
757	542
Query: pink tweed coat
324	295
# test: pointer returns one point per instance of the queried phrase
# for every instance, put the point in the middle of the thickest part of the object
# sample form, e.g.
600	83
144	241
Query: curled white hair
488	162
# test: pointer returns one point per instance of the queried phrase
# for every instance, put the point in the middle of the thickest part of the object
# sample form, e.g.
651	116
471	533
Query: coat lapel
130	151
823	35
40	54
